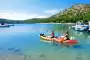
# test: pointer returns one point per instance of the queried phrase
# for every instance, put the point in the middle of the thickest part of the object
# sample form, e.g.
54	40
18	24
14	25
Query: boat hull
80	27
4	26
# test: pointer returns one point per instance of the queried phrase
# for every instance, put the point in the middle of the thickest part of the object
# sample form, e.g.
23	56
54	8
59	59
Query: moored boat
4	26
80	27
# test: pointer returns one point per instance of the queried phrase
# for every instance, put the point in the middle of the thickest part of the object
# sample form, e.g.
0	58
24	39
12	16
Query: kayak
47	38
59	40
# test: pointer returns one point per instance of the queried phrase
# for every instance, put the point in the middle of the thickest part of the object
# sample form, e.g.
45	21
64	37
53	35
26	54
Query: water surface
23	39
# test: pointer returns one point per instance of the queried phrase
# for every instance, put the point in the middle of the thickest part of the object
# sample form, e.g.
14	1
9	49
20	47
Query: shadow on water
78	46
72	46
10	48
42	57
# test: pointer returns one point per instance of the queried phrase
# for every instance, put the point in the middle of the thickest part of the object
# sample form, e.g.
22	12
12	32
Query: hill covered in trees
75	13
10	21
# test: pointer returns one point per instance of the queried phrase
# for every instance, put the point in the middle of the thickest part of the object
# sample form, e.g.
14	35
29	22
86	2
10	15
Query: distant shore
55	23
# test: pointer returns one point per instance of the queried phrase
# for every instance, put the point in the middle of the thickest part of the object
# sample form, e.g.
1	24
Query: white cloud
23	16
61	9
53	11
20	16
42	16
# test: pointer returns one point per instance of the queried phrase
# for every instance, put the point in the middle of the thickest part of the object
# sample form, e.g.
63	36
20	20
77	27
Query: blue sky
25	9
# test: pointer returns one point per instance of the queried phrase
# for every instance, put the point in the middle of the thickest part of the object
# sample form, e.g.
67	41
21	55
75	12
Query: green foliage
10	21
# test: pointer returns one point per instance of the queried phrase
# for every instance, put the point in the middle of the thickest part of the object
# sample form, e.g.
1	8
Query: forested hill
2	20
74	13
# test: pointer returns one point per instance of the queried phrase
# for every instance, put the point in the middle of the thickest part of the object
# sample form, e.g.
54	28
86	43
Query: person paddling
65	37
52	35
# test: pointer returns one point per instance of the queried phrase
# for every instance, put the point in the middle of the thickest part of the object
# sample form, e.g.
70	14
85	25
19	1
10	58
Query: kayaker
65	36
52	35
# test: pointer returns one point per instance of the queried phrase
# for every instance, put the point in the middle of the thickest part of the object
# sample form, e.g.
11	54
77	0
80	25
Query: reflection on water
22	42
78	46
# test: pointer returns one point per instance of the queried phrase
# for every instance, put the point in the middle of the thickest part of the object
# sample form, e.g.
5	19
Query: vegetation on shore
10	21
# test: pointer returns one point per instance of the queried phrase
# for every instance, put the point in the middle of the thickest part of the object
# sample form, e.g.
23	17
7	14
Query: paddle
44	30
47	31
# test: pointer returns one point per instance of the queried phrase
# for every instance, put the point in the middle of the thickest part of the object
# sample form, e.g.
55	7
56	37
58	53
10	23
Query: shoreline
39	23
54	23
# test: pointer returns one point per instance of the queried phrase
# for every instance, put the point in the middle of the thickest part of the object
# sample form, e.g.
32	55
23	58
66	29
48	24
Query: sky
27	9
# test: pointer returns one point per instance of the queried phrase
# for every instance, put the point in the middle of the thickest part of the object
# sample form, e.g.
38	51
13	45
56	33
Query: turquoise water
24	39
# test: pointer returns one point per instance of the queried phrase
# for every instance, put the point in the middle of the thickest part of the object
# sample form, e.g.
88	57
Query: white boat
4	26
89	27
80	27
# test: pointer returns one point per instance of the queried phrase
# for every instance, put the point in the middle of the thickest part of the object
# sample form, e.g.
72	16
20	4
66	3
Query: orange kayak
59	40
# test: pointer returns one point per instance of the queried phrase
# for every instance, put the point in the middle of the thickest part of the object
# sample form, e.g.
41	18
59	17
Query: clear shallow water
23	39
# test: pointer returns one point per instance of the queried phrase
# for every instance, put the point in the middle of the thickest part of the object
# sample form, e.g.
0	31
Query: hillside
2	20
75	13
